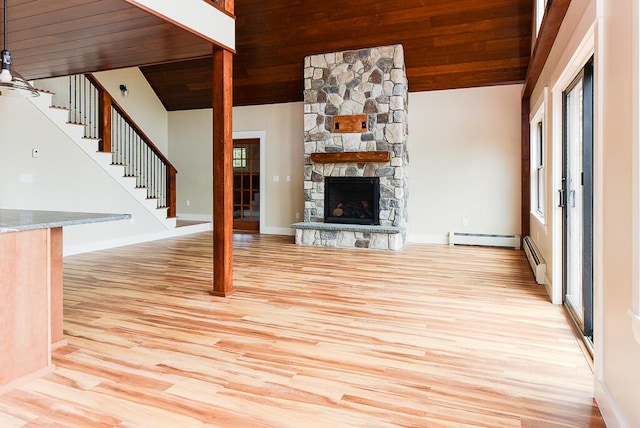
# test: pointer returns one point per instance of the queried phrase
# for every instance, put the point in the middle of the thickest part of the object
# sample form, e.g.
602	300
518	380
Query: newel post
171	191
104	113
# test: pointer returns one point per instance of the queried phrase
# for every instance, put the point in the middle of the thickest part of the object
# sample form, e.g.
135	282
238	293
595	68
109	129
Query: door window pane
574	200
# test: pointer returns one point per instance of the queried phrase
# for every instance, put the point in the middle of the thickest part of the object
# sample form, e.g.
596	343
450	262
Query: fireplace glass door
352	200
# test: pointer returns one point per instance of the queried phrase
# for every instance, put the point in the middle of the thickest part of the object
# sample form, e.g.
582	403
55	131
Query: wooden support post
222	173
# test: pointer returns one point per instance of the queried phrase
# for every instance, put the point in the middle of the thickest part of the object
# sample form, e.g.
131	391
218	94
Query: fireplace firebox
352	200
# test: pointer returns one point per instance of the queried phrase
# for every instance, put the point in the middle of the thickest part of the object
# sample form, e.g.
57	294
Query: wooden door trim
249	225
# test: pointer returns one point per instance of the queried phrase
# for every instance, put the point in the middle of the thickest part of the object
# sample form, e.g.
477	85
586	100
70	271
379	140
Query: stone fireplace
355	136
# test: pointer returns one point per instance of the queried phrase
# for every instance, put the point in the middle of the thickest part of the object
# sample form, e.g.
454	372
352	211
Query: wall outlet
188	202
297	216
465	222
276	178
35	153
288	178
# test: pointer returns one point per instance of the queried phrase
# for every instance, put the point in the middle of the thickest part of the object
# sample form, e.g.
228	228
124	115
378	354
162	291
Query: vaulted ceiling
448	43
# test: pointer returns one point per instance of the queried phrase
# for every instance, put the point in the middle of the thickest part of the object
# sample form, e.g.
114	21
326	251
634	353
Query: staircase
95	122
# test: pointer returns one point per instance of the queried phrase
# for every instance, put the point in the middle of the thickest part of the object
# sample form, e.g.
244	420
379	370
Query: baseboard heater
484	240
537	263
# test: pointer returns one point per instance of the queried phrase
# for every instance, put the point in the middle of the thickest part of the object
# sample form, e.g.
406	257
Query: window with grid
537	151
239	157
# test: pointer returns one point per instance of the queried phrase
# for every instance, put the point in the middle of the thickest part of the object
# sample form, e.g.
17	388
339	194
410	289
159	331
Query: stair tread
164	207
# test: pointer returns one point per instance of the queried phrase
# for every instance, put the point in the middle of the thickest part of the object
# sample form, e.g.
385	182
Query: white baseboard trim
137	239
277	231
194	217
610	412
429	239
549	289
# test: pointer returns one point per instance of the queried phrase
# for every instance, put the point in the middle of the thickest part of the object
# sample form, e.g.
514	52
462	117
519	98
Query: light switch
26	178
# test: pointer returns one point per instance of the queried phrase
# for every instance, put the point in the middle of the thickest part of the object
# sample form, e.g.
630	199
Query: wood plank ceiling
57	38
448	43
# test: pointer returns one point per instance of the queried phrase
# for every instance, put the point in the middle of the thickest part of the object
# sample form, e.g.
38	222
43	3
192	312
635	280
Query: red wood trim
171	192
549	28
106	102
104	113
350	123
341	157
525	169
131	122
222	173
220	5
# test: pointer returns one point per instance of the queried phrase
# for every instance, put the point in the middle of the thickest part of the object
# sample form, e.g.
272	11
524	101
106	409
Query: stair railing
92	105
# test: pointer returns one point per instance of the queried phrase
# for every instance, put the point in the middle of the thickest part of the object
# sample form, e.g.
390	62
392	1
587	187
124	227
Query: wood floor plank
431	336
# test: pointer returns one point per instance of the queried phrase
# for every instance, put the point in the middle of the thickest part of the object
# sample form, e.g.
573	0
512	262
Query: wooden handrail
221	8
131	122
106	103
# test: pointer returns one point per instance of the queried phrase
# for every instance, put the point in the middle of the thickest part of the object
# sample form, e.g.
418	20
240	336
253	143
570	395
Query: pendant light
12	83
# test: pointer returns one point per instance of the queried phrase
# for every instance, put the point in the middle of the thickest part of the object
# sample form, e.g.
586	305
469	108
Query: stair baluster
92	105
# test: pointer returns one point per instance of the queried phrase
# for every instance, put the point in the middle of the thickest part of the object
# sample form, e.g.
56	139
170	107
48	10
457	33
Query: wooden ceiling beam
549	28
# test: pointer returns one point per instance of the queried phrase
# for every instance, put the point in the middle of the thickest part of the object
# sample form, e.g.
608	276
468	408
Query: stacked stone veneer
366	81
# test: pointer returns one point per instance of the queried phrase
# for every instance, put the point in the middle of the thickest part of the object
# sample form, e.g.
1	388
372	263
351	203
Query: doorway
246	184
576	200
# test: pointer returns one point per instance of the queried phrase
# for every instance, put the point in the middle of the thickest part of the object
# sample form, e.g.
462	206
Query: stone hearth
367	85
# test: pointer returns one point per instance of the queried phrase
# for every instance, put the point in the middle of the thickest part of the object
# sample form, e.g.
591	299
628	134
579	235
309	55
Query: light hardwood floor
432	336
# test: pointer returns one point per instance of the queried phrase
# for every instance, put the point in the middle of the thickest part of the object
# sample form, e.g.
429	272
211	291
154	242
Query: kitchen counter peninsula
31	289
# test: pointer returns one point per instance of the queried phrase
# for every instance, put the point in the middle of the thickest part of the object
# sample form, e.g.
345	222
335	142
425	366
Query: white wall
63	178
603	27
618	368
464	162
190	151
142	103
190	138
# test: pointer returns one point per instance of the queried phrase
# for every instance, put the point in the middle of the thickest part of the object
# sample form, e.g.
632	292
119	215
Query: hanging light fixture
12	83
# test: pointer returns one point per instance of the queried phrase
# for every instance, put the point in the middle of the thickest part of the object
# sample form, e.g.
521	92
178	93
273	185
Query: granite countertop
20	220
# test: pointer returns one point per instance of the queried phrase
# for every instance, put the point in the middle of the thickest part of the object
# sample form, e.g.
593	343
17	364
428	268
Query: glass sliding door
576	199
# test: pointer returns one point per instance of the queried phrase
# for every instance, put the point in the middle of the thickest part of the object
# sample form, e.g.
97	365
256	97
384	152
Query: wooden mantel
343	157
